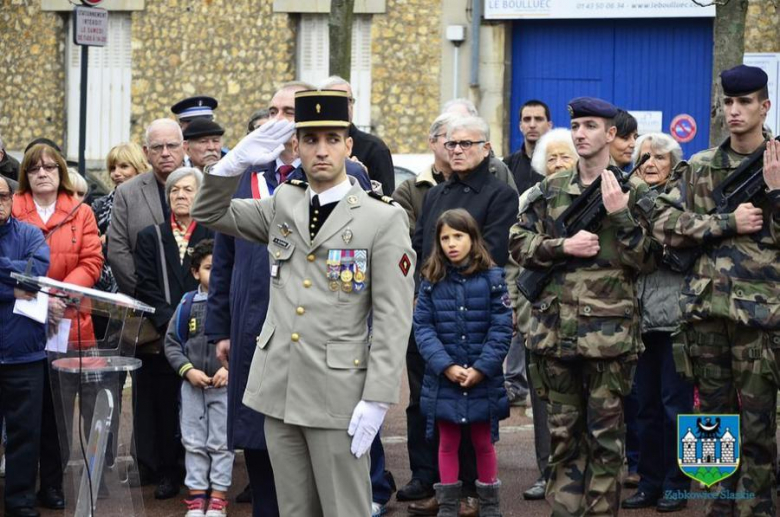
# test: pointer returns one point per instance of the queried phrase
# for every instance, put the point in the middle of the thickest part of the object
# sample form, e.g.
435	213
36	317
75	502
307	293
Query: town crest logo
708	446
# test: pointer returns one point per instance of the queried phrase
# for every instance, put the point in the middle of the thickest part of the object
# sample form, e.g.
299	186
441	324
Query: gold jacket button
300	311
357	362
278	254
307	283
310	258
295	337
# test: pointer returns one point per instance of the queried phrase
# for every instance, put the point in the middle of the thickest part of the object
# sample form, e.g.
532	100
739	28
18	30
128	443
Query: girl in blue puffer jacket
463	327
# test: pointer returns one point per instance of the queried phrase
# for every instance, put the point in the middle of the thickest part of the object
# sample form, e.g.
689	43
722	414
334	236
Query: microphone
28	267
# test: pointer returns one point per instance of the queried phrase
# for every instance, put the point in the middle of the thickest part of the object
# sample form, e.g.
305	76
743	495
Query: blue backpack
183	324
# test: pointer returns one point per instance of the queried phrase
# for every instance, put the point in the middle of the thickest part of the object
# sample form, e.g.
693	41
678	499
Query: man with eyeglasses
24	358
139	203
472	187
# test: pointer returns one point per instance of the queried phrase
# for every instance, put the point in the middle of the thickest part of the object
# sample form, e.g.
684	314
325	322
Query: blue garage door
647	65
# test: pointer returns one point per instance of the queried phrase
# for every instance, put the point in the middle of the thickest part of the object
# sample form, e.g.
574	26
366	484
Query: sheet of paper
35	309
59	341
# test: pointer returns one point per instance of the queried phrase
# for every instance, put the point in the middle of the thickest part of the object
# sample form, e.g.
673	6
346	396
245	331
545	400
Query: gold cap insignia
318	108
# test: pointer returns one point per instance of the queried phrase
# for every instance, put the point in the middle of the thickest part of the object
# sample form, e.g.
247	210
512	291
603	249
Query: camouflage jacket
589	308
738	276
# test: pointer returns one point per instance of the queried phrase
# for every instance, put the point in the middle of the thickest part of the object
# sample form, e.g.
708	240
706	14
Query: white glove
262	145
366	421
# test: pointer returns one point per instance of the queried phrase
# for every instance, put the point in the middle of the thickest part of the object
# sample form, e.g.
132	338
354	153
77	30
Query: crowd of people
292	280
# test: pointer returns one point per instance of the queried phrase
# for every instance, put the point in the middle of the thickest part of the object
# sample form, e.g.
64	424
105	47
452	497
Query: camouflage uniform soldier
584	330
731	297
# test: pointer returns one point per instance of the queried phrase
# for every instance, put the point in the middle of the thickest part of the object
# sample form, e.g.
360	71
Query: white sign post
90	26
578	9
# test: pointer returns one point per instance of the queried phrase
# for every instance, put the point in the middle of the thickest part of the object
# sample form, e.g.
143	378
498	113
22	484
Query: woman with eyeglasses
46	200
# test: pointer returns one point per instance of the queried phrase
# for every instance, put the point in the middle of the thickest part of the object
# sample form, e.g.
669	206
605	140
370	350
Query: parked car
409	166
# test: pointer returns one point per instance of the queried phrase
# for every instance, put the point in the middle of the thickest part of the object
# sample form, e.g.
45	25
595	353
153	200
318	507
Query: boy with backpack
203	417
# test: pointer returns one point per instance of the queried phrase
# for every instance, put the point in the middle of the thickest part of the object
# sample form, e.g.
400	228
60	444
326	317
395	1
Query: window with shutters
312	60
108	90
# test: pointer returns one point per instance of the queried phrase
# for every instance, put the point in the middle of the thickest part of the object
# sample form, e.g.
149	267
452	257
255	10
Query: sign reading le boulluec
570	9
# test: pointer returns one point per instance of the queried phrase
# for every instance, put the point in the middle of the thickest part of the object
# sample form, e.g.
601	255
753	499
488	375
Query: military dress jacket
589	308
738	276
315	357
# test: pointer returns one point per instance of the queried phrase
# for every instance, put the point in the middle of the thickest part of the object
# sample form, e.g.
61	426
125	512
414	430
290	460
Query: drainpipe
476	20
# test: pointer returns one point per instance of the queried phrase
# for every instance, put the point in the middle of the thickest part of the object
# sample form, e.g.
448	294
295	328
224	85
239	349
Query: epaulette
385	199
298	183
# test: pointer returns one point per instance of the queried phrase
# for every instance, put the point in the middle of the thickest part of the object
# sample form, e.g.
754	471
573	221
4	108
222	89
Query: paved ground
517	470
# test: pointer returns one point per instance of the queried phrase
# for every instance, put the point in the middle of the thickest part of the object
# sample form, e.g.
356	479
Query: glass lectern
91	350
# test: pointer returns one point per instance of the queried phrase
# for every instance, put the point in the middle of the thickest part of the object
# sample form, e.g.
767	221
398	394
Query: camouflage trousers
587	431
732	365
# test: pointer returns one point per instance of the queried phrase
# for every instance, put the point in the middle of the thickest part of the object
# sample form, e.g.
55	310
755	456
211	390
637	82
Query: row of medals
349	281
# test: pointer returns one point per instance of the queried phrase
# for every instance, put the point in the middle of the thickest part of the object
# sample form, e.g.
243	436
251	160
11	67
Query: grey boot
448	497
488	499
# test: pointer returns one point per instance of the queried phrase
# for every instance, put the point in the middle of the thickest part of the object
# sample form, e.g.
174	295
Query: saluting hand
772	165
614	198
749	218
584	244
262	145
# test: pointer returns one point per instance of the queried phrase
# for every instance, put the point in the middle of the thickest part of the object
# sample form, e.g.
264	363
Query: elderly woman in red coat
45	199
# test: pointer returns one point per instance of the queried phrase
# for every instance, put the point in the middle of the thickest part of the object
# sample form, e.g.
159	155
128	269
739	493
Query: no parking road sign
683	128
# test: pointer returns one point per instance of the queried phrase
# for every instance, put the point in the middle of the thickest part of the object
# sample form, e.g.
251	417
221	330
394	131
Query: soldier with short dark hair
730	297
583	335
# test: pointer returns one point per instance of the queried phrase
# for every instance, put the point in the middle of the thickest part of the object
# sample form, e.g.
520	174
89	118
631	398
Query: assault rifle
743	185
586	213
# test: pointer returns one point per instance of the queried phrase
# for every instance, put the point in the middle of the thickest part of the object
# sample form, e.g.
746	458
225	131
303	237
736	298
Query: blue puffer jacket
22	340
466	321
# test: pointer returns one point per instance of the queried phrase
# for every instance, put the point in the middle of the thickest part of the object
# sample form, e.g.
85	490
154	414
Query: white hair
467	104
659	143
443	121
469	124
160	123
333	80
178	175
77	180
558	135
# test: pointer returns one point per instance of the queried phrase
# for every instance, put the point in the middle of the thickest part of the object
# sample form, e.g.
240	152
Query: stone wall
406	73
237	52
32	92
761	26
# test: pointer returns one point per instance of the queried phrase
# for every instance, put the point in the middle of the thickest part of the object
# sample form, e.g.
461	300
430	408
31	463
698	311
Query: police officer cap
202	127
321	108
193	107
591	107
742	80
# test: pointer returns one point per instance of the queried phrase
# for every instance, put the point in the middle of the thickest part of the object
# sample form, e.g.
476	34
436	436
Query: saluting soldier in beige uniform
339	256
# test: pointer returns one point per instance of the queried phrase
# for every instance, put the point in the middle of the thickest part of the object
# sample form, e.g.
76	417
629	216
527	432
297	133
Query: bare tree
340	33
728	52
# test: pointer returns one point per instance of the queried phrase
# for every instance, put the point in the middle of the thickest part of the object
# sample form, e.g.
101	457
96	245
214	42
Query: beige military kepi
315	358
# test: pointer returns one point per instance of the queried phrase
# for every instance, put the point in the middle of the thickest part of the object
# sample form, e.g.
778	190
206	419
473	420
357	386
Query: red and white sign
92	3
683	128
91	26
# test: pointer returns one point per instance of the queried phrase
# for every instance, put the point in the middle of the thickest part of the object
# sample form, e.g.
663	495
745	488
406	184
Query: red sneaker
217	507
